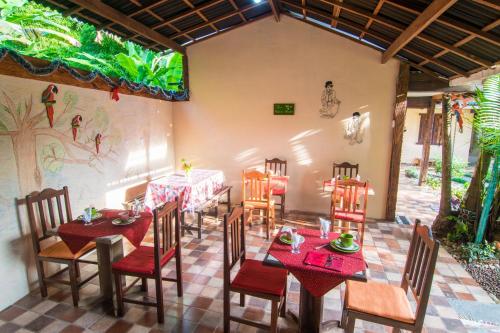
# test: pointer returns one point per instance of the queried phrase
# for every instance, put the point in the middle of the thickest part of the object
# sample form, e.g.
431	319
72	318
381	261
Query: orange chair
278	167
348	194
389	305
56	203
256	192
253	278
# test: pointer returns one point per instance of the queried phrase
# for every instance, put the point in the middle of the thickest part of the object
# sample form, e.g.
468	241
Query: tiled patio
200	310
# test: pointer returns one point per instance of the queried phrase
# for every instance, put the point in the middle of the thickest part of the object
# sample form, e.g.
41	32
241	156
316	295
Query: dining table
315	280
108	237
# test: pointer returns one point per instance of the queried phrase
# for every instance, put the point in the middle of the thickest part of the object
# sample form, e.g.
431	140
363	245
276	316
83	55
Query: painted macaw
98	141
114	94
49	99
75	124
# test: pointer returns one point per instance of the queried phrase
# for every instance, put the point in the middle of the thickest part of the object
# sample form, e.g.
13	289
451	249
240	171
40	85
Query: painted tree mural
37	146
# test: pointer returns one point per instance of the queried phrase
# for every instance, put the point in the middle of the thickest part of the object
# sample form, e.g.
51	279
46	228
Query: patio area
200	309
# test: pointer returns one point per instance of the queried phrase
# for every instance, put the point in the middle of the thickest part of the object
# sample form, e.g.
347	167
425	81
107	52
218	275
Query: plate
121	222
336	245
94	217
285	240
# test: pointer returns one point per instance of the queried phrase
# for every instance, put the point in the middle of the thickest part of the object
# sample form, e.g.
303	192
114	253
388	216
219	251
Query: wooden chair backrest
234	240
277	166
419	268
166	231
47	210
347	192
256	186
345	169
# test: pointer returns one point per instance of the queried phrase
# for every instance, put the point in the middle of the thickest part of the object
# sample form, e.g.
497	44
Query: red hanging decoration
98	141
75	124
114	94
49	99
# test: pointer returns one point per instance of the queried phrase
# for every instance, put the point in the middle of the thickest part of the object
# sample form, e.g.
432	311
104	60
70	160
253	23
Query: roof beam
114	15
491	4
335	14
429	15
375	13
275	8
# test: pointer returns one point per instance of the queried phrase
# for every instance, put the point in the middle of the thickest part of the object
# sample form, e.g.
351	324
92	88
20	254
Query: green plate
336	245
285	240
95	216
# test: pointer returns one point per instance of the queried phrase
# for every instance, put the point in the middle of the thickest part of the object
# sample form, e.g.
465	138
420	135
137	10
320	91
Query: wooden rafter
429	15
112	14
383	38
335	13
375	13
242	17
275	9
454	24
492	4
304	6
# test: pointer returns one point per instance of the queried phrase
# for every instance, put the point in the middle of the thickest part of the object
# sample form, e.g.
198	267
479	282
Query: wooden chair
57	204
256	191
278	167
253	277
345	169
146	262
348	195
389	305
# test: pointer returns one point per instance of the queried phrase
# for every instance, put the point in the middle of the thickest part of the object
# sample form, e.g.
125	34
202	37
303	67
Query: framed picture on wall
284	109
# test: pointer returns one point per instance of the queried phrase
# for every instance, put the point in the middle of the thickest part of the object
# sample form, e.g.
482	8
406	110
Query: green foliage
457	168
434	183
460	232
411	173
478	252
34	30
459	191
487	115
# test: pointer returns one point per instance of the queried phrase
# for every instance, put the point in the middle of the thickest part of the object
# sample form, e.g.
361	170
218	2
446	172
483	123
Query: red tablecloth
318	281
76	235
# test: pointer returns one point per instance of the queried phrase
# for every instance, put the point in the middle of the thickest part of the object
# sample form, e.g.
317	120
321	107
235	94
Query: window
436	130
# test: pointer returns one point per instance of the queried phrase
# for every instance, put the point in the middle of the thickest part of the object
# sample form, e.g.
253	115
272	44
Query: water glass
296	242
136	206
87	216
325	228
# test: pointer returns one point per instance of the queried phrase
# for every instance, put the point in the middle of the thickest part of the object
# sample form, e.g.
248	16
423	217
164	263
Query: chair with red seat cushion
278	168
56	203
253	278
347	198
146	262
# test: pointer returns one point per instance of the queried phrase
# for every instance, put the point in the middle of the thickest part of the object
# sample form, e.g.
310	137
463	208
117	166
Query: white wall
237	77
137	142
461	141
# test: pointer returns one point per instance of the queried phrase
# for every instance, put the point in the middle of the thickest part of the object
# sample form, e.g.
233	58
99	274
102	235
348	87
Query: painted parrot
98	141
49	99
75	124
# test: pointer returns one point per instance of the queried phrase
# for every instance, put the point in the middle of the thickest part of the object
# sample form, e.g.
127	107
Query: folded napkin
321	260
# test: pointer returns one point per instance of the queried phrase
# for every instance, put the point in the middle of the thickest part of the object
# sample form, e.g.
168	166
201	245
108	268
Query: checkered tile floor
200	310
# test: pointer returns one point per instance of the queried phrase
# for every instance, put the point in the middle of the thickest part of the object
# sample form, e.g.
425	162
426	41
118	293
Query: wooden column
398	120
426	148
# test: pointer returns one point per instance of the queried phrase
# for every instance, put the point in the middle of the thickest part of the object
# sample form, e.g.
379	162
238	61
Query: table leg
310	311
109	250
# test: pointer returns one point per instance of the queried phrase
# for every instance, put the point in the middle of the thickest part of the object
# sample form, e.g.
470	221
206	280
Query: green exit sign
284	109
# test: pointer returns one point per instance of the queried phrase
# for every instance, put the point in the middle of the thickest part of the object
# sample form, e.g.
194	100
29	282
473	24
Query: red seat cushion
279	190
256	277
141	261
357	216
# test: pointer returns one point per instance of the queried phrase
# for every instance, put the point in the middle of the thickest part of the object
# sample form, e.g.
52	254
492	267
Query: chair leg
268	224
41	278
73	279
144	284
178	272
274	317
351	322
282	206
200	220
77	269
159	298
227	311
283	306
242	299
183	224
119	295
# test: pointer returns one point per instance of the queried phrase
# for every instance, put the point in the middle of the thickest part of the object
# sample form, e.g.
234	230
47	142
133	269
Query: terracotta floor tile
10	313
119	326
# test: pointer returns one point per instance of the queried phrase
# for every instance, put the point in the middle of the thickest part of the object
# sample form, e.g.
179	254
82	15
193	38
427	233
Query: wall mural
330	105
68	138
354	129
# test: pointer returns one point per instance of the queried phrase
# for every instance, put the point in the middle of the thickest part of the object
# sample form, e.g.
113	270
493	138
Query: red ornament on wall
49	99
75	124
98	141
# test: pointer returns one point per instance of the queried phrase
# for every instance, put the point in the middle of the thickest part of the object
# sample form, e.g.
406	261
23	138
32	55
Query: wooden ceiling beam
304	5
494	5
375	13
422	36
335	13
275	9
218	19
429	15
242	17
383	38
454	24
114	15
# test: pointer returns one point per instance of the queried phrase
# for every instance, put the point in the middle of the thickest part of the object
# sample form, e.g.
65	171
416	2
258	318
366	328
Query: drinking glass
136	206
296	242
87	216
325	228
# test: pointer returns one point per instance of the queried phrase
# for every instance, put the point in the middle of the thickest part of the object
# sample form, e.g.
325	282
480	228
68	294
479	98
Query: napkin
320	259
